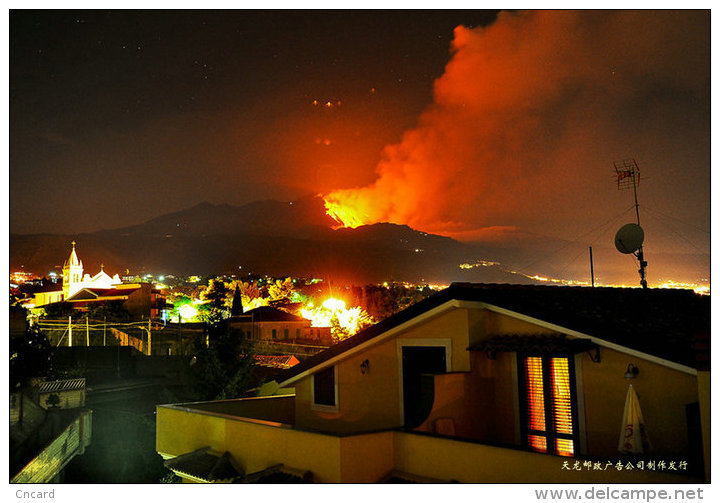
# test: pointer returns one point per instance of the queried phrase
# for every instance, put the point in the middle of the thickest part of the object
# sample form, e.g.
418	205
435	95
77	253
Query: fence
148	337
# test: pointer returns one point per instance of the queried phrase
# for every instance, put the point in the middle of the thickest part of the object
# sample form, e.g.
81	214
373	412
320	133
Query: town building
141	300
482	383
267	323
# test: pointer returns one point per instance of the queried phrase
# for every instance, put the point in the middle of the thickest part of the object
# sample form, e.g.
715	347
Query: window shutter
549	405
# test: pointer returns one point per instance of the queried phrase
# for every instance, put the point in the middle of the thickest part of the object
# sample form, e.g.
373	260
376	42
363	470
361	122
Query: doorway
419	365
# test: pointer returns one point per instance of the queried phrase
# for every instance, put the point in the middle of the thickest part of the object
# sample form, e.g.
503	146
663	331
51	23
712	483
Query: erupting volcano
343	215
526	120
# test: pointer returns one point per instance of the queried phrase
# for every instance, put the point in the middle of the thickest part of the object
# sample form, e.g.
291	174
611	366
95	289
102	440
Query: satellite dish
629	238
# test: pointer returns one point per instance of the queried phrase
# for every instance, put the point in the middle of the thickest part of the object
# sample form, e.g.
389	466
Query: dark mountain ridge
264	237
297	238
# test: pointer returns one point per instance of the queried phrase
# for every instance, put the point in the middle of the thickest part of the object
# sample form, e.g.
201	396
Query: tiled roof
204	465
540	344
267	313
64	385
118	292
660	322
88	294
277	361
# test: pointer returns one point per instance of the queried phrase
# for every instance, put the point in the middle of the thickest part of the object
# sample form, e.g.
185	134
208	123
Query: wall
48	463
367	458
663	394
448	460
278	409
371	401
43	298
262	330
138	302
68	399
254	446
481	403
484	324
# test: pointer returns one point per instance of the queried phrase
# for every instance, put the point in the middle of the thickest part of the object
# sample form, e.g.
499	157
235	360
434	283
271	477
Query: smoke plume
532	111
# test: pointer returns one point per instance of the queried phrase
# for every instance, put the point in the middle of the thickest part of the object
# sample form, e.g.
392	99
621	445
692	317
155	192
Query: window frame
321	406
550	434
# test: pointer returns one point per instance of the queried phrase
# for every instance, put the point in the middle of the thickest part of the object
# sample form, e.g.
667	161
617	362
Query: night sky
120	116
464	123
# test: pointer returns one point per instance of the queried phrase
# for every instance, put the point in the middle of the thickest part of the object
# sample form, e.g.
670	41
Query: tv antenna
629	238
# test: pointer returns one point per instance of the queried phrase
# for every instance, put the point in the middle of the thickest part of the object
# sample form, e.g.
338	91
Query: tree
220	299
281	289
113	310
224	368
218	293
30	356
59	310
337	331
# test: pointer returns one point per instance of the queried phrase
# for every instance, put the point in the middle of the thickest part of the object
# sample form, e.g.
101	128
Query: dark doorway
419	364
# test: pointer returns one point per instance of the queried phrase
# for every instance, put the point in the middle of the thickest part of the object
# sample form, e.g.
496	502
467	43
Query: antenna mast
628	175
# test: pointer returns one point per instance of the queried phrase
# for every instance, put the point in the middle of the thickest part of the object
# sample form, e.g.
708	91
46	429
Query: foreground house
479	383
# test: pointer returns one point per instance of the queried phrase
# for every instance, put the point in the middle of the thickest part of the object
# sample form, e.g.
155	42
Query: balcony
261	433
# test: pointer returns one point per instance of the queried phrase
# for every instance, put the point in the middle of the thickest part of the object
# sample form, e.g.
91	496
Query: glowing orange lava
343	215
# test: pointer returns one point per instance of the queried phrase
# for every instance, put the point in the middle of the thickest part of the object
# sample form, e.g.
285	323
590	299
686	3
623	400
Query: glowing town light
334	304
187	312
333	312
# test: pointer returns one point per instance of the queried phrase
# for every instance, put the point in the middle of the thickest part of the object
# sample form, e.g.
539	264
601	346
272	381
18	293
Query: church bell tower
72	274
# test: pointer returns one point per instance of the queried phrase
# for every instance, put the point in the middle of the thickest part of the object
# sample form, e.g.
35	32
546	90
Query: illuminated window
324	387
548	404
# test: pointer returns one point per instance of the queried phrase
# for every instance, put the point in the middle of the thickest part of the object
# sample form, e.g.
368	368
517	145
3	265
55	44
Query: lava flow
343	215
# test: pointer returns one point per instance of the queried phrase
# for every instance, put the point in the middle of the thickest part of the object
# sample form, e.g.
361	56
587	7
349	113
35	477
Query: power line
570	243
677	219
667	226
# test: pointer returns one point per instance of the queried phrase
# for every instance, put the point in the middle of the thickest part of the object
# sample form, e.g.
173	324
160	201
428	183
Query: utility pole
150	337
70	331
592	273
180	351
105	332
87	331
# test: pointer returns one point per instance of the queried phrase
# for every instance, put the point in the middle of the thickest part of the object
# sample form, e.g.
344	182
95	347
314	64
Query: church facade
75	280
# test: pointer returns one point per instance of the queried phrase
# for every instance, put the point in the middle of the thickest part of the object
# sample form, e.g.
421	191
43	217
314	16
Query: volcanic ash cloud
529	114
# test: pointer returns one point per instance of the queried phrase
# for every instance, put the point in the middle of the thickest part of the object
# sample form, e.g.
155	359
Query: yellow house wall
484	324
663	394
254	446
366	458
444	459
481	404
371	401
47	298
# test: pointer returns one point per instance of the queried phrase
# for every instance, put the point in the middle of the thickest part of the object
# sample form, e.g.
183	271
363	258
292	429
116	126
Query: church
74	281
